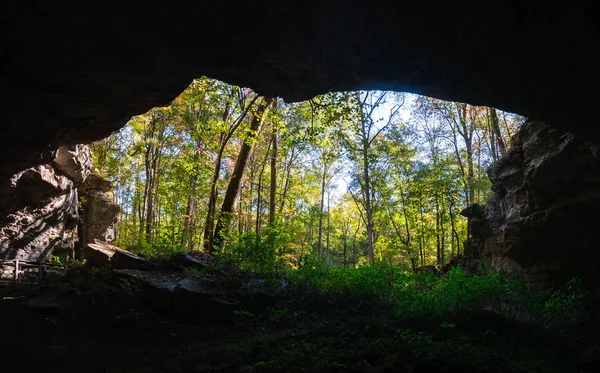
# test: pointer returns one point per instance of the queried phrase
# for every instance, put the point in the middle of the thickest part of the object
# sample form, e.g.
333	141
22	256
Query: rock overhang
76	71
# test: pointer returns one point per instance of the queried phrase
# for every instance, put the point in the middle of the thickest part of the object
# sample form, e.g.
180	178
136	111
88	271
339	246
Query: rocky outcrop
38	211
102	253
98	211
202	299
76	73
546	208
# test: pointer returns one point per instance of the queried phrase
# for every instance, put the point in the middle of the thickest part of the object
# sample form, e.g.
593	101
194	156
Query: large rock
98	255
41	207
98	210
123	259
196	299
546	208
102	254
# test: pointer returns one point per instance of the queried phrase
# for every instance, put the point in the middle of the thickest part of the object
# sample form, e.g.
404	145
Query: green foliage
164	246
456	294
69	262
565	308
262	253
101	272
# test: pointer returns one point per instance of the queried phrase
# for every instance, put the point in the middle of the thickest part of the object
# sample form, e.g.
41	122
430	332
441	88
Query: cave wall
98	212
42	202
545	211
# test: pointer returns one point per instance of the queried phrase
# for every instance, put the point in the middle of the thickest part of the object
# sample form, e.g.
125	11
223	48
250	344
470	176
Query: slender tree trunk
328	226
240	167
438	242
453	226
286	184
273	190
189	212
422	238
259	192
368	207
496	133
321	207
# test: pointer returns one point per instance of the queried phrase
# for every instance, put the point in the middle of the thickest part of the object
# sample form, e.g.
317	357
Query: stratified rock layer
546	209
41	206
98	211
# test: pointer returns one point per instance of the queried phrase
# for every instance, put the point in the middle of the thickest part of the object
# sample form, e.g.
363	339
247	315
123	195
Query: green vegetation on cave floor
325	321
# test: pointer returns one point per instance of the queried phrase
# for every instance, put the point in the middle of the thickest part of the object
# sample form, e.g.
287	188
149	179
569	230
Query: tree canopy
348	177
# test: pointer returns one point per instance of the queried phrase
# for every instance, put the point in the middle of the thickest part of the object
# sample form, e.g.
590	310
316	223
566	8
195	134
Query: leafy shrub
427	294
266	252
164	246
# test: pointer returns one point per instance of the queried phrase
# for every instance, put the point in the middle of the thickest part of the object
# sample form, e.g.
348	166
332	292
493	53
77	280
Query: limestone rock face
546	208
98	211
38	211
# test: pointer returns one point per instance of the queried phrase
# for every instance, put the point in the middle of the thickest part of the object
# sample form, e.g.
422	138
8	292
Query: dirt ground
92	330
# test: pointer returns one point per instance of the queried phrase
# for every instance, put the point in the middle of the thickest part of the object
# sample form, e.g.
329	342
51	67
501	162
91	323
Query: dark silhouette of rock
123	259
546	208
187	259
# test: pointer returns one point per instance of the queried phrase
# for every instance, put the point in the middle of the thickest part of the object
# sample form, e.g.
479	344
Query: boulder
102	253
53	276
259	294
195	299
200	300
157	288
187	259
123	259
98	255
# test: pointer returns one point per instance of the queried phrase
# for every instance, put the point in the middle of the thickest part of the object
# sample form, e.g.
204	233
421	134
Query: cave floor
114	332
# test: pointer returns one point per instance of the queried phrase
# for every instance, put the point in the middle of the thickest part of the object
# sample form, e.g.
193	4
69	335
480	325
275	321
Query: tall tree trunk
328	226
422	238
496	133
224	140
273	190
236	178
453	226
189	212
286	184
212	202
259	192
368	206
321	207
438	242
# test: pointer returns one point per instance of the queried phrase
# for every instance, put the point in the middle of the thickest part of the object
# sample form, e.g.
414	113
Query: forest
348	178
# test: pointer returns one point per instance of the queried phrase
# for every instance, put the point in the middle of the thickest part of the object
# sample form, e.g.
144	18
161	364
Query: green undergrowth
455	293
334	335
333	318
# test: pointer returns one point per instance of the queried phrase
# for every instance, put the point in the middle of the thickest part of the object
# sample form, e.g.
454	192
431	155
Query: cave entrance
349	177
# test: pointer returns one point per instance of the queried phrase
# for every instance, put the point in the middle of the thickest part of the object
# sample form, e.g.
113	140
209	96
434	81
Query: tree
240	167
359	143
